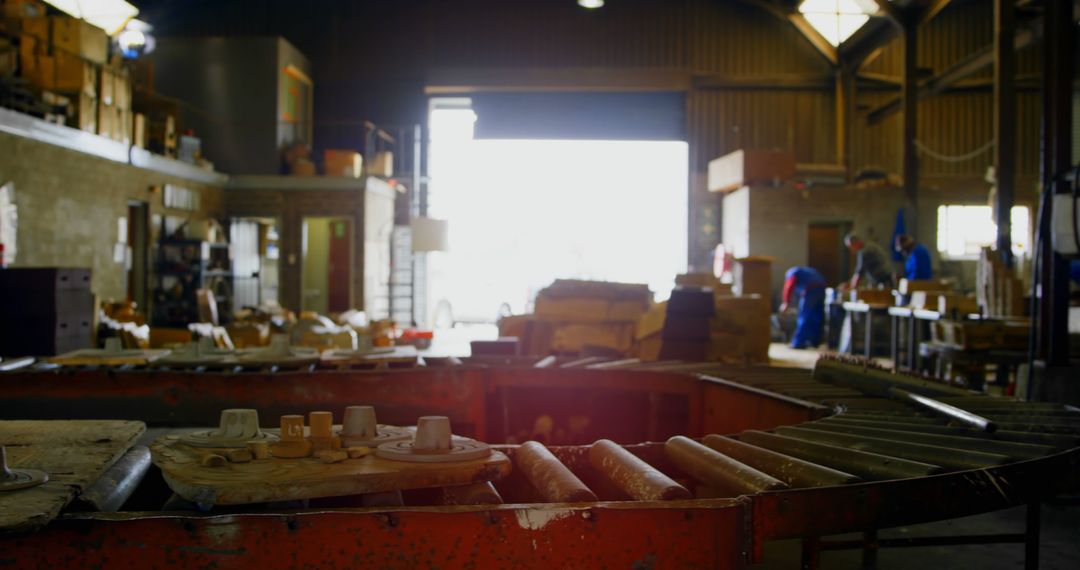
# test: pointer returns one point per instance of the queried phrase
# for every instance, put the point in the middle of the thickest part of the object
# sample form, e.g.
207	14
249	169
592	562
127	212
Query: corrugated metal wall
371	59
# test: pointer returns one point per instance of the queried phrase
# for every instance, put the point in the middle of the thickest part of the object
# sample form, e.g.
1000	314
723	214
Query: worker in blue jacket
916	258
809	286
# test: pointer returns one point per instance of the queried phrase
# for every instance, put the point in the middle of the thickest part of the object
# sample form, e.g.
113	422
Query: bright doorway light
522	213
836	20
964	230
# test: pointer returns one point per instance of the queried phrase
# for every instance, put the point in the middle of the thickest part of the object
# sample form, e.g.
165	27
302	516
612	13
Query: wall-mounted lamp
591	4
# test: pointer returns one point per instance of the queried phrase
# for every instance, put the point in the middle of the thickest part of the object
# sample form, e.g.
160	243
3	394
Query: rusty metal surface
499	402
641	535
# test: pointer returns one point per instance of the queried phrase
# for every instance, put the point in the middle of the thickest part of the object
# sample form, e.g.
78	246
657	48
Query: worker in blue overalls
916	258
809	286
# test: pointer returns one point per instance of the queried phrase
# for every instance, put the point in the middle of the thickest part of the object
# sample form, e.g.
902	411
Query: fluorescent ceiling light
836	20
591	4
109	15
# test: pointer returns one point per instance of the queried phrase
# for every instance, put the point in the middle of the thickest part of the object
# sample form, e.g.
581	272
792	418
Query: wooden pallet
73	453
273	480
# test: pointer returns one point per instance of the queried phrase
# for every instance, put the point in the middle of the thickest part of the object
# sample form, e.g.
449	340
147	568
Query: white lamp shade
430	234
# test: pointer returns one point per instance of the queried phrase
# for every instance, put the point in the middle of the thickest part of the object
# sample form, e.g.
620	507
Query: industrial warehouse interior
540	284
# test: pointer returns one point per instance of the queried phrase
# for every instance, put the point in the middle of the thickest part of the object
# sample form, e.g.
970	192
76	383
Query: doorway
327	265
523	212
826	251
138	239
255	261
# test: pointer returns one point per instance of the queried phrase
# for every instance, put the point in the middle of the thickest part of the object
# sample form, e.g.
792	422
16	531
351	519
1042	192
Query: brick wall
69	203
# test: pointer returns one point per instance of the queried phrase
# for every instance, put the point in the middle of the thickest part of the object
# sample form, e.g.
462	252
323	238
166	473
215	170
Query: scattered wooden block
358	452
239	456
332	456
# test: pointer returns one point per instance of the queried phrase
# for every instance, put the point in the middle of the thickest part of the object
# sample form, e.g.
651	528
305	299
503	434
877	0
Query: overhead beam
960	70
932	10
867	40
891	12
826	49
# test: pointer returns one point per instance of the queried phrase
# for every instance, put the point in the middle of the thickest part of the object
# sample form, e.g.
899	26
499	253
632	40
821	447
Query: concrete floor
1059	544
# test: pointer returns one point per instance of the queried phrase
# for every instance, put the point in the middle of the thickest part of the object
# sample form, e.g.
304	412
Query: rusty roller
636	478
949	457
873	466
791	470
555	482
718	470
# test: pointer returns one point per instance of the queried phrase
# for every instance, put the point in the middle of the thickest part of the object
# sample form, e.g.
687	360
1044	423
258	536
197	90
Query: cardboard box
382	164
753	276
37	28
64	72
691	301
76	37
86	118
660	321
909	286
972	335
138	130
573	337
580	309
347	163
734	348
302	167
958	305
697	280
656	348
739	314
750	167
873	296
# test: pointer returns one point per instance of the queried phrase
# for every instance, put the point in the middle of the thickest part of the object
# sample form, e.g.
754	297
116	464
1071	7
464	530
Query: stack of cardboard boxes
678	329
998	288
115	119
573	317
67	60
699	324
740	331
62	54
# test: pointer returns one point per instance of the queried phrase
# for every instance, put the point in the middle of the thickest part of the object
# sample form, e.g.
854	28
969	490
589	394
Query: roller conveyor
835	435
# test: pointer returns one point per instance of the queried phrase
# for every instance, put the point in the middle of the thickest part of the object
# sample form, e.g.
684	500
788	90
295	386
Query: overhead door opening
525	211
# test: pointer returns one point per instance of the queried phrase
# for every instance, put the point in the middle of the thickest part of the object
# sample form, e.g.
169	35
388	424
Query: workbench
851	308
911	326
74	453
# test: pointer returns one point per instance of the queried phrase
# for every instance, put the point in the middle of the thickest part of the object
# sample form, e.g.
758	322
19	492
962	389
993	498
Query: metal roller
944	456
555	482
638	479
791	470
717	470
872	466
1012	449
949	412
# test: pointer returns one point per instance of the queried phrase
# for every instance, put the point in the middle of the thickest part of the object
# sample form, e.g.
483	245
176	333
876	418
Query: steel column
1004	122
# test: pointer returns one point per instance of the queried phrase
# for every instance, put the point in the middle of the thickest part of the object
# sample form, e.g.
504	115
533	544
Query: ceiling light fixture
590	4
836	20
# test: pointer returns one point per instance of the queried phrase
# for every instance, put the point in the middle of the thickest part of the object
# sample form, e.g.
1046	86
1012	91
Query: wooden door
339	267
826	251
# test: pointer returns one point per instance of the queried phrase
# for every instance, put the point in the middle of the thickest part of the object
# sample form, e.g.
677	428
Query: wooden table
975	361
73	453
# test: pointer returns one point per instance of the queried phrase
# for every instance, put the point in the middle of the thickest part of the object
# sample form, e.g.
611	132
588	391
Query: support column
1053	337
909	103
1004	122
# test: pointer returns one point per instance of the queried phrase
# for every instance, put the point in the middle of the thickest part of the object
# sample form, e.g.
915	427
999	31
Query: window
964	230
836	20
